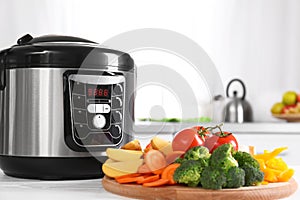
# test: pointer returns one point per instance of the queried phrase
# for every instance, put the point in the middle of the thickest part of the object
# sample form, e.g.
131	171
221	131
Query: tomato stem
210	128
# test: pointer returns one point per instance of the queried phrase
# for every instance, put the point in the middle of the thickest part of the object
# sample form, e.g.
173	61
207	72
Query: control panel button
98	138
99	108
82	131
99	121
91	108
79	116
78	101
78	88
116	131
106	108
117	102
117	116
102	108
118	89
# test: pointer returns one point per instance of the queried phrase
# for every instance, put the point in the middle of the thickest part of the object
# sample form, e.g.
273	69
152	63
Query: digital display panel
98	91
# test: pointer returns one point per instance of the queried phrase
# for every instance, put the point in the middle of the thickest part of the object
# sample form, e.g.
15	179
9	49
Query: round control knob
99	121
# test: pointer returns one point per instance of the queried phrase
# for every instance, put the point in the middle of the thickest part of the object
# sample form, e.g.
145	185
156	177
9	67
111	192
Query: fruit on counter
132	145
115	169
123	155
274	168
289	98
290	104
277	108
289	109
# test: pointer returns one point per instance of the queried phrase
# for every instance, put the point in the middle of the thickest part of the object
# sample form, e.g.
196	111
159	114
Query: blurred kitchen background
255	41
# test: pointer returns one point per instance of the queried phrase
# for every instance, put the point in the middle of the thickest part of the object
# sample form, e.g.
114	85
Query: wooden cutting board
264	192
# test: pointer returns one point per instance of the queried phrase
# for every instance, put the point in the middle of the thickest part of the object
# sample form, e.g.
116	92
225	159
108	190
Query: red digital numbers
98	92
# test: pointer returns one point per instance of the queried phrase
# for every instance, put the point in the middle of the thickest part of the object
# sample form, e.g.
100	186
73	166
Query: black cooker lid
53	51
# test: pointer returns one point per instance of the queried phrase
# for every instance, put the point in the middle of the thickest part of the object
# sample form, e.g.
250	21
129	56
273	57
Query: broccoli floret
196	153
212	178
244	158
253	176
222	157
235	177
179	160
189	172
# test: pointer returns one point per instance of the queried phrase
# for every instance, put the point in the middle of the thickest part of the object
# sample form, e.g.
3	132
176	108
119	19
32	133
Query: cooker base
51	168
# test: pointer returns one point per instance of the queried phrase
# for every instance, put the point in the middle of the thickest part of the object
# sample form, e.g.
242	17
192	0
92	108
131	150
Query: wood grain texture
265	192
288	117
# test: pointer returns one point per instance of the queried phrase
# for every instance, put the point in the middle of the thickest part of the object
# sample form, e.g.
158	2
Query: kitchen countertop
255	127
15	188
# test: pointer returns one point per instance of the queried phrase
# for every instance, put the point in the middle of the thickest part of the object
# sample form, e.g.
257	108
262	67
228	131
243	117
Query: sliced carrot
159	182
169	172
148	179
155	160
130	179
159	171
128	175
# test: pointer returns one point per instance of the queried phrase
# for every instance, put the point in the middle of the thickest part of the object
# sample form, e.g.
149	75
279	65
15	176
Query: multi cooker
63	101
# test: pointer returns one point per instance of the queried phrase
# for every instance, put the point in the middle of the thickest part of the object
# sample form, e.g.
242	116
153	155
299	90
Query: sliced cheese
115	169
108	171
110	161
123	155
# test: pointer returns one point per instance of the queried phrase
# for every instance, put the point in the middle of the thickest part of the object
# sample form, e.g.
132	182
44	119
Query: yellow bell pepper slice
286	175
276	163
267	156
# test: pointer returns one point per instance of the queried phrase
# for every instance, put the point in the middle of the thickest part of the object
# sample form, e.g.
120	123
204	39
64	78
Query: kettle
238	109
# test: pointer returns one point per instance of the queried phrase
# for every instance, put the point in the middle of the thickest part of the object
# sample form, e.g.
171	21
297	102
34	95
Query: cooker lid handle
28	39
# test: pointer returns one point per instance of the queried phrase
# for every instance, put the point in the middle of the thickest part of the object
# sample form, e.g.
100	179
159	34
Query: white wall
257	41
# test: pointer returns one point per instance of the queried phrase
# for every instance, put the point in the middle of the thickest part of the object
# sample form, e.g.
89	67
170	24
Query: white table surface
15	188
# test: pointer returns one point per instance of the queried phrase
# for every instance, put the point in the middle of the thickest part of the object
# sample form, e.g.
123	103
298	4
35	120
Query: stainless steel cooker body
32	113
63	101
